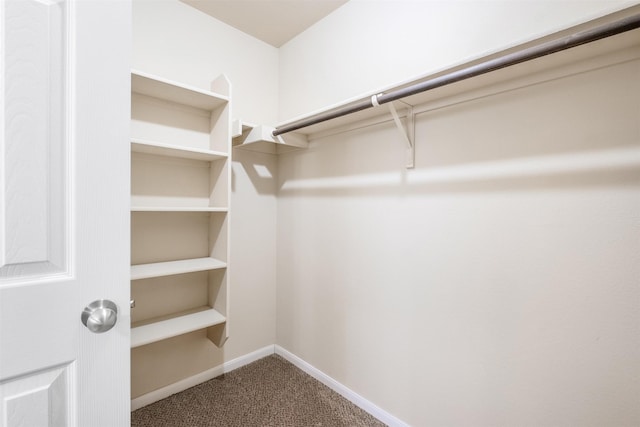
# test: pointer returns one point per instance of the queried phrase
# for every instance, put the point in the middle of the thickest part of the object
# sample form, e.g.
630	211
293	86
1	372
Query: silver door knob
100	316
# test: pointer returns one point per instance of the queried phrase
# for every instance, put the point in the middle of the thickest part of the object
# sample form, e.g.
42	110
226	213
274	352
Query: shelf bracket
407	133
260	138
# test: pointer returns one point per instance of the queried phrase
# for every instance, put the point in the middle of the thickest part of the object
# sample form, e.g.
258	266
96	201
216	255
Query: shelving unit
259	138
180	197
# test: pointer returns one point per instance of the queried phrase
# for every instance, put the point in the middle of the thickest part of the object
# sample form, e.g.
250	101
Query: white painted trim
341	389
164	392
241	361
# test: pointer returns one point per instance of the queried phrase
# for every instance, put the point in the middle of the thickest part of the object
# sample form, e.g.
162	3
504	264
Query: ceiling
272	21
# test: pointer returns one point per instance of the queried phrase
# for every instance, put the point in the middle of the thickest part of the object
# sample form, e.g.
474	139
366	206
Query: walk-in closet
342	212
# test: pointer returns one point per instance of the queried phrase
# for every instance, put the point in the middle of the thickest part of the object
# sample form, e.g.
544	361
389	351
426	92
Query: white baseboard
339	388
164	392
236	363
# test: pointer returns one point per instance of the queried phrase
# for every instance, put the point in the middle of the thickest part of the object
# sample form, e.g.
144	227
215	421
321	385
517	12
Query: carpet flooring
268	392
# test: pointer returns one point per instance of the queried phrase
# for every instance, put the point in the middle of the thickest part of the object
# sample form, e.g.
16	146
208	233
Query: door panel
36	182
64	210
41	399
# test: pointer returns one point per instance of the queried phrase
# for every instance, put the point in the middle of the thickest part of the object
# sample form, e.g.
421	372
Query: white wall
497	283
175	41
367	45
186	45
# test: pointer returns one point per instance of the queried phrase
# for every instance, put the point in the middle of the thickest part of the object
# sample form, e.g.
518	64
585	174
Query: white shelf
171	150
169	268
158	87
177	209
169	328
435	98
260	138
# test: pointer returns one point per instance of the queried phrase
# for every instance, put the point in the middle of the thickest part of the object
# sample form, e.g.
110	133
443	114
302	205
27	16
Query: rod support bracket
407	132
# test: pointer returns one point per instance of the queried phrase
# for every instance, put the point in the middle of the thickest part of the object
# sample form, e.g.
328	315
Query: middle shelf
186	180
176	209
168	268
174	150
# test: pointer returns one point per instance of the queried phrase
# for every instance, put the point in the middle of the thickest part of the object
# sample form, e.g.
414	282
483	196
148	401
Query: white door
64	220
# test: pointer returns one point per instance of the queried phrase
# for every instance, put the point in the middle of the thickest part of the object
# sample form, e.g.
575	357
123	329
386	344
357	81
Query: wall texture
497	283
175	41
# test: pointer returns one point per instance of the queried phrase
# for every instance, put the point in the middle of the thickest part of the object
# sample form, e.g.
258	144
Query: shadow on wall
575	131
620	167
261	172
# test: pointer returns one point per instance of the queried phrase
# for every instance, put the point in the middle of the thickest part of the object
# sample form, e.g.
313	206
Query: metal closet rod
543	49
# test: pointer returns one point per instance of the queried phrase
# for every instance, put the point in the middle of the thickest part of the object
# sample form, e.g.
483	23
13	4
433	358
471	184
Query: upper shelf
158	87
172	150
555	65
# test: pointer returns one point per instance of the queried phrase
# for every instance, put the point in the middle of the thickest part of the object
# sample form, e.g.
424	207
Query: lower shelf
163	329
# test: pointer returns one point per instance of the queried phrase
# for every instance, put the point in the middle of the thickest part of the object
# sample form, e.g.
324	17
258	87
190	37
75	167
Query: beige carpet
268	392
